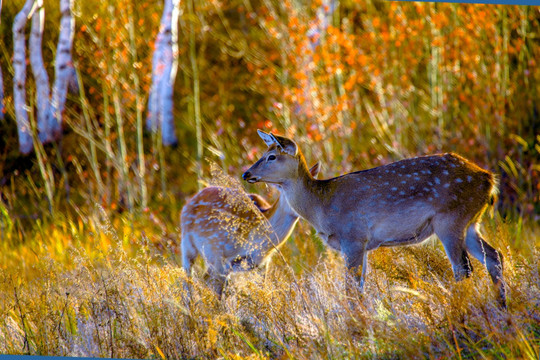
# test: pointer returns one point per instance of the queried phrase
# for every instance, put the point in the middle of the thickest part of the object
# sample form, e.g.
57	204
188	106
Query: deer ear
268	139
277	142
314	171
286	145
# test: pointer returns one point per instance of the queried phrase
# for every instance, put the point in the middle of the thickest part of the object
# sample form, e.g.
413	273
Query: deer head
281	161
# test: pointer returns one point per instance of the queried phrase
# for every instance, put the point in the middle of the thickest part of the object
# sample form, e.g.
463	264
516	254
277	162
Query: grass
80	279
106	287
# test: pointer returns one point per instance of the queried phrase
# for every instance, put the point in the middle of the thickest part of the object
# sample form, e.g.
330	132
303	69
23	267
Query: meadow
89	226
100	287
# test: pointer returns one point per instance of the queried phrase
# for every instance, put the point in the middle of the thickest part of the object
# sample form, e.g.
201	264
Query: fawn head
281	161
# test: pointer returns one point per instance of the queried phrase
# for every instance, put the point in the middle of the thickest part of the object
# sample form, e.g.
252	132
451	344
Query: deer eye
271	157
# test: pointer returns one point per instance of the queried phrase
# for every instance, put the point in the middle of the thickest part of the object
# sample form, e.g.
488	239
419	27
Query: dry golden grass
382	87
101	288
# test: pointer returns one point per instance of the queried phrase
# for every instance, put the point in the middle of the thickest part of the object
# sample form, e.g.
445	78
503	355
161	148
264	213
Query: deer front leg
355	253
216	278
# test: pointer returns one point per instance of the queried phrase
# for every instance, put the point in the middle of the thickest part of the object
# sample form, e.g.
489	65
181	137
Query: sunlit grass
387	80
101	287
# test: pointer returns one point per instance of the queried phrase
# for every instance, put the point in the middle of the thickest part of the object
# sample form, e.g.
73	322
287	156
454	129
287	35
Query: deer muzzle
250	178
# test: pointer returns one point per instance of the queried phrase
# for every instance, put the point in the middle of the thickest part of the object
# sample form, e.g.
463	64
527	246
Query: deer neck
302	193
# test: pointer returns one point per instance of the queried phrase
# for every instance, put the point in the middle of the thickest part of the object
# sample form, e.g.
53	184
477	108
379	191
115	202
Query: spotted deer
210	228
396	204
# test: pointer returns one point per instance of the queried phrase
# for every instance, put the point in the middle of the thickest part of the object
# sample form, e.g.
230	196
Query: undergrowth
105	287
89	227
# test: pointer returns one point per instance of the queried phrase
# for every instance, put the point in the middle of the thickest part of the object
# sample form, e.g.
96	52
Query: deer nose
246	175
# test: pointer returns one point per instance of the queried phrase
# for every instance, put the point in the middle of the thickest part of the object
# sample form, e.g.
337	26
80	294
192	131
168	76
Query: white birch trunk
64	71
164	67
19	78
40	74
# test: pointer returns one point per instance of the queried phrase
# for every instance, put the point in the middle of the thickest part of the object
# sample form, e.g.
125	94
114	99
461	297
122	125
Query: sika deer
396	204
230	235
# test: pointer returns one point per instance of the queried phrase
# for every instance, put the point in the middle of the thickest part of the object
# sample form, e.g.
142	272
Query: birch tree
164	67
19	78
64	71
41	78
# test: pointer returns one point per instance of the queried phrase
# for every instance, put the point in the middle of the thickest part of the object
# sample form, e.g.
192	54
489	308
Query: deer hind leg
487	255
452	235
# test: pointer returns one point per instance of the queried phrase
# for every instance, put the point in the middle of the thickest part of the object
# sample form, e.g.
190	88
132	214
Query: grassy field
89	226
114	288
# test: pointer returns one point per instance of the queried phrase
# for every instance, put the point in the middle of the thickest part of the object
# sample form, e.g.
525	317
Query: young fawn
218	224
396	204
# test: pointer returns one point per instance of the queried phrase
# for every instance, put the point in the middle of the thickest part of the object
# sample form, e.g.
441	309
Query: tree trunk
64	70
41	77
19	79
164	67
